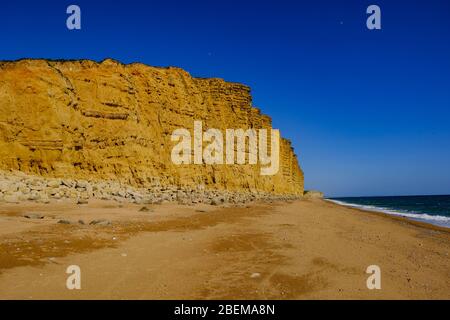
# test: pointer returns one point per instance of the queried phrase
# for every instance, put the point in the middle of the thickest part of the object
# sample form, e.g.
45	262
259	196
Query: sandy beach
306	249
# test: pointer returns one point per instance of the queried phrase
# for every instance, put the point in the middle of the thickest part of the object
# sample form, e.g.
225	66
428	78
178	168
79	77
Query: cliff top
112	62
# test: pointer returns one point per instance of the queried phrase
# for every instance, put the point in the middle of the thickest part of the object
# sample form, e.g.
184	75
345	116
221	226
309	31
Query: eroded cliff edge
110	121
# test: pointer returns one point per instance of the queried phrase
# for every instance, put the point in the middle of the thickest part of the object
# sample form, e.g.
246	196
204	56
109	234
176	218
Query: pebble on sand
34	216
101	222
64	222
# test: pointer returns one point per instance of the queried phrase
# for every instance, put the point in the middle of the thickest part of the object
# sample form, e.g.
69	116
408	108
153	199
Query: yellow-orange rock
89	120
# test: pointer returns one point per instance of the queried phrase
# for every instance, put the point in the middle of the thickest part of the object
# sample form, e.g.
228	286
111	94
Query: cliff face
88	120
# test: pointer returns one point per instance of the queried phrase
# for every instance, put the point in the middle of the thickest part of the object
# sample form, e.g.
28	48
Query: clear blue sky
368	111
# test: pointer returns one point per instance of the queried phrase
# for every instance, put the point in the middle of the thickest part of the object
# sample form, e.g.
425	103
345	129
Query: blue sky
368	112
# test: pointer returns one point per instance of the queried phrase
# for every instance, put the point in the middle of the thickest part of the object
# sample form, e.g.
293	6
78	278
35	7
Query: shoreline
396	217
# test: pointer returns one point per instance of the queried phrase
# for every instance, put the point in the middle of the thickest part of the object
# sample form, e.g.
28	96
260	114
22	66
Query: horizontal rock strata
89	121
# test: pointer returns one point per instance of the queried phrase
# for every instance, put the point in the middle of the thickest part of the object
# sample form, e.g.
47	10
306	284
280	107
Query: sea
431	209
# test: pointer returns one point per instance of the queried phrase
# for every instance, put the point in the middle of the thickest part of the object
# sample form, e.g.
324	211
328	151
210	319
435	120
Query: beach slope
308	249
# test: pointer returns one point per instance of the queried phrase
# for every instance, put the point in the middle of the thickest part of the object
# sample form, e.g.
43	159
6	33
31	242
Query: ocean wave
435	219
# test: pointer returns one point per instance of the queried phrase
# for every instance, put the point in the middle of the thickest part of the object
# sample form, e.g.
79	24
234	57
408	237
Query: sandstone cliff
94	121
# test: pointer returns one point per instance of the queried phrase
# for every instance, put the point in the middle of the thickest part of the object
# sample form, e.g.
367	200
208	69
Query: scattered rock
68	183
17	186
145	209
11	199
82	201
34	216
53	183
101	222
313	194
255	275
217	201
64	222
81	222
33	196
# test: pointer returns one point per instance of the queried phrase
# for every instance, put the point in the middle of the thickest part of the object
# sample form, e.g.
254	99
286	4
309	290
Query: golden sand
308	249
